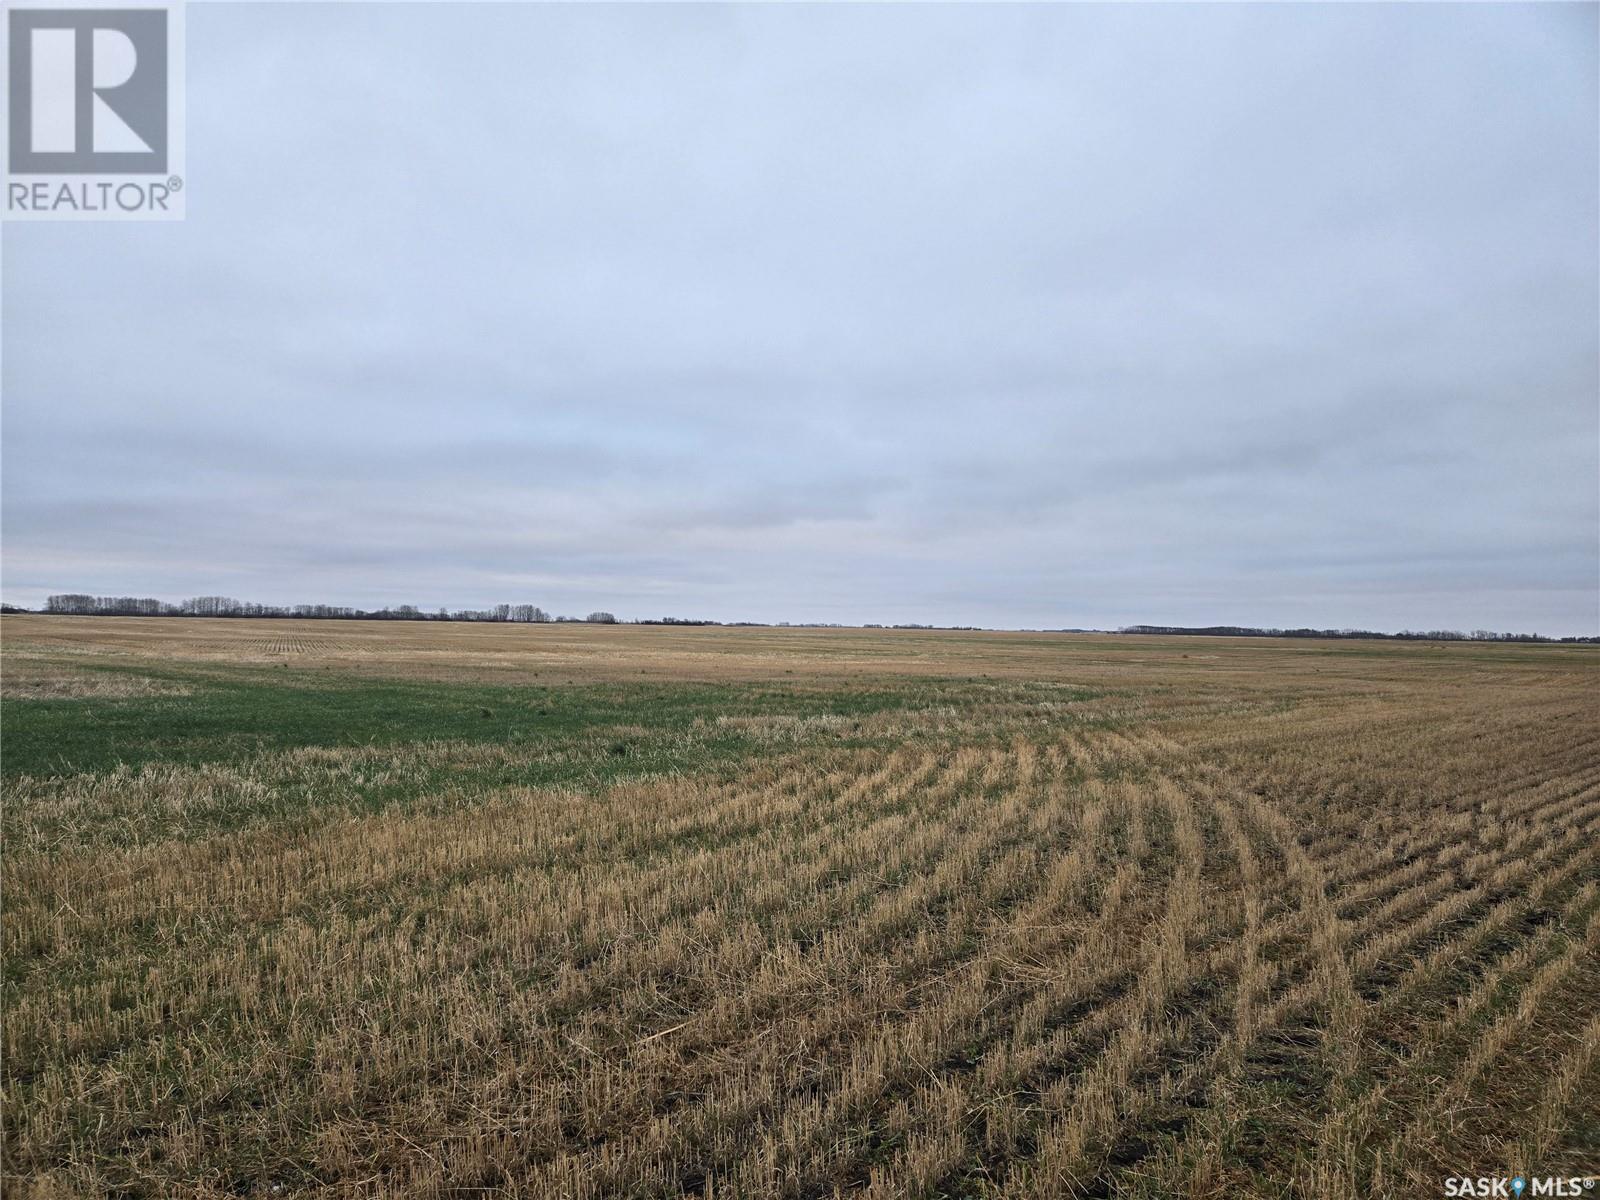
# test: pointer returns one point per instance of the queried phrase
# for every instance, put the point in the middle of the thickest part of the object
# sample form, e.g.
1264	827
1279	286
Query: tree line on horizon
82	604
1405	635
78	604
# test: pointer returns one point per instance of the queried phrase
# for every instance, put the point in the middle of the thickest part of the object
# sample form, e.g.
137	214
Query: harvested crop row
1205	929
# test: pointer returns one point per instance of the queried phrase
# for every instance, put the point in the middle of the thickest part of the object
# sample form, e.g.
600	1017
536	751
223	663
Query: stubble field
377	909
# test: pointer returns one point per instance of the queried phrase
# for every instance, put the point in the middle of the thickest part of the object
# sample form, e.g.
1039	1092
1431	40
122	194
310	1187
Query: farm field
372	909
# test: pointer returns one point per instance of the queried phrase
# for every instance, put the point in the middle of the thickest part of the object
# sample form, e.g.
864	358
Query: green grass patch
419	746
233	719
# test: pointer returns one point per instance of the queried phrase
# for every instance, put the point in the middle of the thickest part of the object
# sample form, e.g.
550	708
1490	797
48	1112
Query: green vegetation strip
232	720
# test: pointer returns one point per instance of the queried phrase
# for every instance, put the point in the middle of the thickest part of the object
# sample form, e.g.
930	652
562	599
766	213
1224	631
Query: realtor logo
88	91
93	111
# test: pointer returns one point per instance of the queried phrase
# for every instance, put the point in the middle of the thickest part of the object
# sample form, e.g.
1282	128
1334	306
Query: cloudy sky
1013	316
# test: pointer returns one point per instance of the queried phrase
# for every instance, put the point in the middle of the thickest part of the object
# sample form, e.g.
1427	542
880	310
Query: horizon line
532	614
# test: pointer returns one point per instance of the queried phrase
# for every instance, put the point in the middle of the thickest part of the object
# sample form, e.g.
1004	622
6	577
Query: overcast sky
1012	316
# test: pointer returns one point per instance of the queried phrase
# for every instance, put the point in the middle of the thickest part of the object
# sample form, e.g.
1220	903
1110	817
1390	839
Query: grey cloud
999	314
